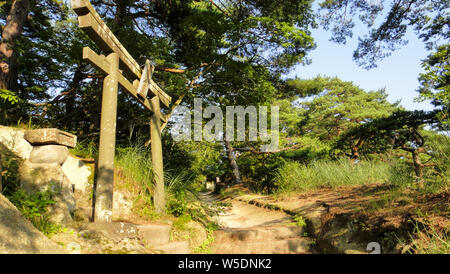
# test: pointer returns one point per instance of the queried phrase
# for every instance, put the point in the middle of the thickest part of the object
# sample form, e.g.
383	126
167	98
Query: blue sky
397	73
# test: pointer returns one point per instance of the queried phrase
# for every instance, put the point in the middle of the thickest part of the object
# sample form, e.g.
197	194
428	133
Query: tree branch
257	152
219	8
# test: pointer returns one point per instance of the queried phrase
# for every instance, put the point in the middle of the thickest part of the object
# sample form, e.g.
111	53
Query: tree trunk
355	149
233	164
119	16
418	166
11	32
355	153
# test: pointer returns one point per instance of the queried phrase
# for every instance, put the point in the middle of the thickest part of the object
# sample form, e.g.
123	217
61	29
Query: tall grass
440	150
399	173
297	177
428	240
135	168
178	180
135	165
85	149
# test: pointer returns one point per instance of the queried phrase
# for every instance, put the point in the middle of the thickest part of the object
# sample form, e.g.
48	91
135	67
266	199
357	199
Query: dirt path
244	215
249	229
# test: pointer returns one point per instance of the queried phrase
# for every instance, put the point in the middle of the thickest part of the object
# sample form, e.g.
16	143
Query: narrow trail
248	229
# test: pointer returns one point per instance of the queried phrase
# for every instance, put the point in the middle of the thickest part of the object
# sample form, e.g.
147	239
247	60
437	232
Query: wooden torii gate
116	65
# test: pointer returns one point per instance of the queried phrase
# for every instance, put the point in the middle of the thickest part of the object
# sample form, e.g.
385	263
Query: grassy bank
295	177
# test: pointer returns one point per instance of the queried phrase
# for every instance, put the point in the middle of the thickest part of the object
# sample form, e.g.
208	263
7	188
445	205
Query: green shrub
34	208
258	170
177	205
180	222
179	181
10	166
299	221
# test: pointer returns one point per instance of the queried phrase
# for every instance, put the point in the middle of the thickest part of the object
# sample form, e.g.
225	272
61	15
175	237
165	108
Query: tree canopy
227	53
428	19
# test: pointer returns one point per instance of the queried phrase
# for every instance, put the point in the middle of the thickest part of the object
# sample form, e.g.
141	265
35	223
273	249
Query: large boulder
12	140
77	172
39	177
19	236
49	177
49	154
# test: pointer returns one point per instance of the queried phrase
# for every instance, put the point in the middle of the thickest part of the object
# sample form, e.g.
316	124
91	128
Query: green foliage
258	170
176	181
396	171
9	96
312	149
314	125
300	221
135	170
180	222
44	58
341	106
436	77
428	18
34	208
10	165
435	81
7	99
254	41
199	159
439	170
402	129
31	205
304	87
177	205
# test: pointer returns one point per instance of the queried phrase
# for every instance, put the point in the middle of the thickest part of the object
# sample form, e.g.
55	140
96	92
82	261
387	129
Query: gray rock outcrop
49	177
19	236
12	139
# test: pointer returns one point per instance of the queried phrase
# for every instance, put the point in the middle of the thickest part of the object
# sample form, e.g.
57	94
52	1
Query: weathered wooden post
105	170
157	160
